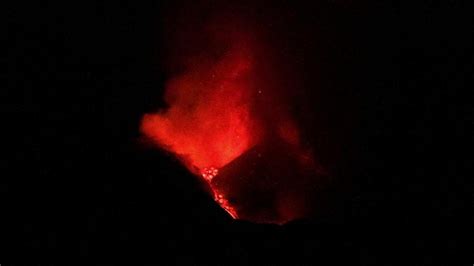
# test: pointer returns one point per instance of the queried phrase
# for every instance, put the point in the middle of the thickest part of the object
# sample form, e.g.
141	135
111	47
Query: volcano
228	121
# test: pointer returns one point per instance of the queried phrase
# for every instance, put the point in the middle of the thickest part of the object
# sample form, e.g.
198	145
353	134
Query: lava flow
222	117
208	174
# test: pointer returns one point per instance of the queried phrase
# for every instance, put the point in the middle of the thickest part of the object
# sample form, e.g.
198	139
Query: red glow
208	123
220	108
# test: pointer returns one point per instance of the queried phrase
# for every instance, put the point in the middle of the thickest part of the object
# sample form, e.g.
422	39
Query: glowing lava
209	173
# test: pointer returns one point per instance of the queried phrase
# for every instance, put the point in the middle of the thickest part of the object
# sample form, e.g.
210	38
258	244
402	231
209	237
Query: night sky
384	112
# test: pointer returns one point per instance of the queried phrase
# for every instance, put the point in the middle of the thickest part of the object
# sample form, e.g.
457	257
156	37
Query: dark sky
387	116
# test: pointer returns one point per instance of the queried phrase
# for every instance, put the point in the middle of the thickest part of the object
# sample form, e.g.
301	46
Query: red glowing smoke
222	106
209	121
